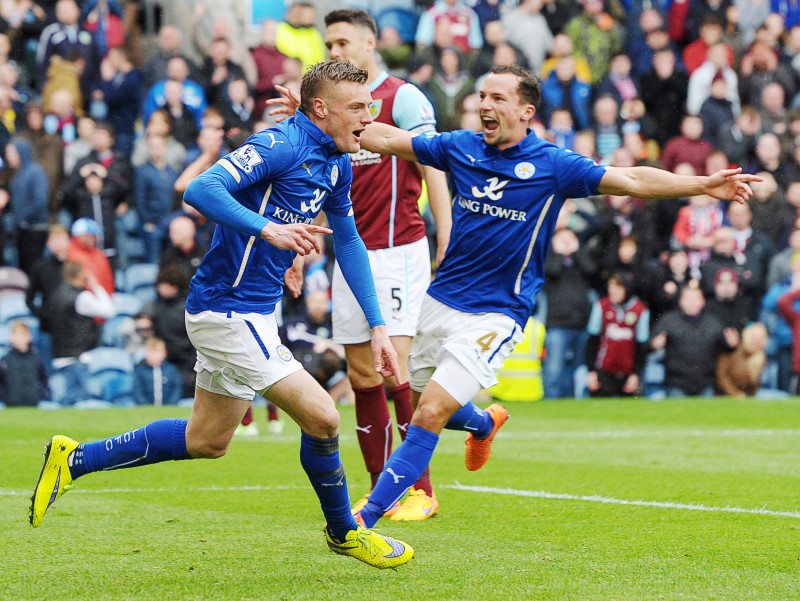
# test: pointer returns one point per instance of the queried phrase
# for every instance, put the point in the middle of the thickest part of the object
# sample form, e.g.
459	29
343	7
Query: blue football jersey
504	214
285	174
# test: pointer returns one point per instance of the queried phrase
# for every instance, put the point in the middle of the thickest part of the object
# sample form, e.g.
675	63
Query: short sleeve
578	176
432	149
412	111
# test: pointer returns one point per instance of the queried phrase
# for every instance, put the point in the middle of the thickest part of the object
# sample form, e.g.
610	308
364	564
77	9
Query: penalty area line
542	494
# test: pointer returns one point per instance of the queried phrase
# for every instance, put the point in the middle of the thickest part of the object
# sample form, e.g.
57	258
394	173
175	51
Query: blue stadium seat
110	373
127	306
140	279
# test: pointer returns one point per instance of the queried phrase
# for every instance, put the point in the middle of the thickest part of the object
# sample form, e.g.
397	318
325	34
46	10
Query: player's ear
528	113
319	108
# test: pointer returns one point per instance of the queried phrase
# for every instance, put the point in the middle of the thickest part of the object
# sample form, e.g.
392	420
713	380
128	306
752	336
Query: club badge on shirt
334	175
524	170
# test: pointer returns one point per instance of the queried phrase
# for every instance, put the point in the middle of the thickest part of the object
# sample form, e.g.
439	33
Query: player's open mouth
357	134
489	124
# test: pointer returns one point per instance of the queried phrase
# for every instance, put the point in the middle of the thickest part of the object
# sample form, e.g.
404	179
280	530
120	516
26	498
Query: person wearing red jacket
83	249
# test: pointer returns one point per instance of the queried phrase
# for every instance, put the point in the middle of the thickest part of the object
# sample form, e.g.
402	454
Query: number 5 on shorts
485	341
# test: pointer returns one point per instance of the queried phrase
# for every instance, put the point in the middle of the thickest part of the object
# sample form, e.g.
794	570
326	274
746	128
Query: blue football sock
401	471
471	418
161	440
320	459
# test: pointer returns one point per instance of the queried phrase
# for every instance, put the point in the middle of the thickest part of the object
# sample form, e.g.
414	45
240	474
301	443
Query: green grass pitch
582	500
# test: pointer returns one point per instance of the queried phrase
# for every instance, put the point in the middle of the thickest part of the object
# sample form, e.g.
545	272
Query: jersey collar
522	147
313	130
378	81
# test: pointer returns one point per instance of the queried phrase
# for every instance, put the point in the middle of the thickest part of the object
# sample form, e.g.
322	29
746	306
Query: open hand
286	105
298	237
731	184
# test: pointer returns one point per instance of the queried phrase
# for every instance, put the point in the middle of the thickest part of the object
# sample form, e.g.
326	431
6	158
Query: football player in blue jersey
510	186
264	197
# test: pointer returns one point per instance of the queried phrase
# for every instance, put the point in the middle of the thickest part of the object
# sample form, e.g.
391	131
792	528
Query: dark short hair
357	18
530	89
324	73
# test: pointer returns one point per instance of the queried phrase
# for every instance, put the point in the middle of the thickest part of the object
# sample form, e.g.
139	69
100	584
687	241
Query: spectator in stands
738	140
160	124
154	184
237	107
563	90
79	148
297	35
760	67
717	110
66	38
769	158
774	116
194	95
787	307
640	53
527	29
693	340
779	263
563	46
23	377
739	372
75	306
616	349
227	20
121	87
117	183
47	150
595	35
167	313
45	277
714	68
772	213
103	19
449	86
664	88
781	333
184	124
95	201
218	70
618	83
694	229
672	277
727	302
560	130
457	19
156	381
83	250
607	130
689	147
567	287
29	193
725	254
269	65
183	249
710	34
169	44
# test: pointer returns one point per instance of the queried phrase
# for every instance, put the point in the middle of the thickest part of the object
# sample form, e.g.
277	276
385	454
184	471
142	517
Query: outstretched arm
387	139
649	182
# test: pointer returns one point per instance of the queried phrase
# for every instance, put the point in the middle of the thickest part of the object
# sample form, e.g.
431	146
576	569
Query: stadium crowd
104	123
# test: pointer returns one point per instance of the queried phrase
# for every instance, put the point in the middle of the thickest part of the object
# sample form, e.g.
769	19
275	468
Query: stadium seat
13	307
110	373
402	19
13	281
140	279
127	306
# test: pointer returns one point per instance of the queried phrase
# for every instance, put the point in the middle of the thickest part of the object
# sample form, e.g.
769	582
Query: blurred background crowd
108	108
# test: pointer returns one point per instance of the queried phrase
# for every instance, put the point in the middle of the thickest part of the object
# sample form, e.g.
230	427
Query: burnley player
264	197
385	195
510	186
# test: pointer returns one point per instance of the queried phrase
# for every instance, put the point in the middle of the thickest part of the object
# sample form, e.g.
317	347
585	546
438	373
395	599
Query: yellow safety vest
520	378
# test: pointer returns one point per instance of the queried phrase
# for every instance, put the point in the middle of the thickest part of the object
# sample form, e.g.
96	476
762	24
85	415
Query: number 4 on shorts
485	341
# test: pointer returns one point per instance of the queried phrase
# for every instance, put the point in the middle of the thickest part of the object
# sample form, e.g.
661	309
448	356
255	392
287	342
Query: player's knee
325	424
207	449
431	415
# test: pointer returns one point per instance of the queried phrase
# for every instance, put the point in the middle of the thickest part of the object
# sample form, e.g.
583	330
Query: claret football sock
374	428
161	440
471	418
320	460
403	469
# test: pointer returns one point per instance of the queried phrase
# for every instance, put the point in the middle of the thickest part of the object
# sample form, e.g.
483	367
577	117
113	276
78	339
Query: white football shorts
238	354
402	275
460	351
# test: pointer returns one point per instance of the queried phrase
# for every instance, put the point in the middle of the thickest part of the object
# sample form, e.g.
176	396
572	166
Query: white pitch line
537	494
542	494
